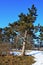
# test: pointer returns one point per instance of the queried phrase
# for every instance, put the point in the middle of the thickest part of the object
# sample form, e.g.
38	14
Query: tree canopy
19	27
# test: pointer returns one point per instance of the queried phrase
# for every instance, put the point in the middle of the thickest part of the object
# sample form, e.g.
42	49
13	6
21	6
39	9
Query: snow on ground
38	58
37	54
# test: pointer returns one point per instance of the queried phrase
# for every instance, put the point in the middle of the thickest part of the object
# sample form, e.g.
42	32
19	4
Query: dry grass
13	60
16	60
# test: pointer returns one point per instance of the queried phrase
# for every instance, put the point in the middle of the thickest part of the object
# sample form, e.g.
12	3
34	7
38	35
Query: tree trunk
16	41
24	44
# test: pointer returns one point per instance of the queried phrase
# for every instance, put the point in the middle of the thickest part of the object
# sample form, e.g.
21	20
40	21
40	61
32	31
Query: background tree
1	35
41	35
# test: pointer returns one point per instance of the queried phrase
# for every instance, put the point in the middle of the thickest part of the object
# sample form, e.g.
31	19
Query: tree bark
16	41
24	44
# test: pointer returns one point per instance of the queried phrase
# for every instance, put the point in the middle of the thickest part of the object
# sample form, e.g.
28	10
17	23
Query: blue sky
10	9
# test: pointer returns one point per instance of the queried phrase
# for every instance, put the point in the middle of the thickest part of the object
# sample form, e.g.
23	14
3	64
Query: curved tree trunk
24	44
16	41
23	49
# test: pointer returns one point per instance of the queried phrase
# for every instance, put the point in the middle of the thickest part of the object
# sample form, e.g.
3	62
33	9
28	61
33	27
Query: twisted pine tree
25	25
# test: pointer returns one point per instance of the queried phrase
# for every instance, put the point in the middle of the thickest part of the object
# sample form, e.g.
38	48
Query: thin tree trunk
24	44
16	41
